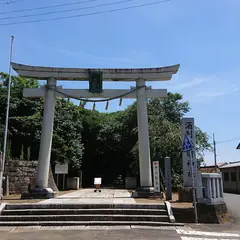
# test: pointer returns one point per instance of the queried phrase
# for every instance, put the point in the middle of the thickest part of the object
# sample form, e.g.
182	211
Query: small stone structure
211	207
213	213
130	182
185	194
213	188
73	183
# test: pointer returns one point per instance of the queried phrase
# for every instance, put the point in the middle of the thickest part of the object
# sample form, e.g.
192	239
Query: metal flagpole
6	121
189	153
187	147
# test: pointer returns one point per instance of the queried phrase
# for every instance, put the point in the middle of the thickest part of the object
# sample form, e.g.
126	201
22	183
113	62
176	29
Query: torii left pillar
41	188
146	188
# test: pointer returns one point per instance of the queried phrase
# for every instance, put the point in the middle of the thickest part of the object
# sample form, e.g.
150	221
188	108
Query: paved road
91	235
109	233
233	205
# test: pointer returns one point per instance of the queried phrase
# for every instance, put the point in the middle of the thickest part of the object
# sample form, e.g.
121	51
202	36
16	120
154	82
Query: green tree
165	134
67	146
26	119
22	121
100	144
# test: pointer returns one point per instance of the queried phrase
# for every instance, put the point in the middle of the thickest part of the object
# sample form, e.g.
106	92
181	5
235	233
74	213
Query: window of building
233	176
226	176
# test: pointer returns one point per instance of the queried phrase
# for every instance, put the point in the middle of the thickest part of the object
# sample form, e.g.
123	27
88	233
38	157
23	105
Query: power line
230	140
215	150
86	14
47	7
226	141
68	10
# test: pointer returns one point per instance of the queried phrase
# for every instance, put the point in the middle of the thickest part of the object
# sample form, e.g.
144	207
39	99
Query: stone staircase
85	214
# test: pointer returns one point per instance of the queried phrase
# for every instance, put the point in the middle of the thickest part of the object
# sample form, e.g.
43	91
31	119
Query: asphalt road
233	205
138	234
106	233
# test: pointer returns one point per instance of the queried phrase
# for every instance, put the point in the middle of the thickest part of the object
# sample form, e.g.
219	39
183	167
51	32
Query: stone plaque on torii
95	78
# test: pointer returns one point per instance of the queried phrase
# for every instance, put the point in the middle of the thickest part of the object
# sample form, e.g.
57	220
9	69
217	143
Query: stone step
89	217
105	211
88	223
84	206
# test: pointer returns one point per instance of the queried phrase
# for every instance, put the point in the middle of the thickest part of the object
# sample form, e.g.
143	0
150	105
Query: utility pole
215	153
2	161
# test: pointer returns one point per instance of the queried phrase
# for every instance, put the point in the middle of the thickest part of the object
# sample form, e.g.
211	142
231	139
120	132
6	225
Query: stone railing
212	188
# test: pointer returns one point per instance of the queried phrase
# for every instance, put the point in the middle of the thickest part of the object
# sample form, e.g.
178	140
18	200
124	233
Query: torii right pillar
146	184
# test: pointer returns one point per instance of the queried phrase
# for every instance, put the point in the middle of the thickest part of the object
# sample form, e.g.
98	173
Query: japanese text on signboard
156	176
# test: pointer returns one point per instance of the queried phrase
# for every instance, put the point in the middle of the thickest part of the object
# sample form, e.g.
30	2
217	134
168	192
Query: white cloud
236	89
204	88
79	53
217	93
190	84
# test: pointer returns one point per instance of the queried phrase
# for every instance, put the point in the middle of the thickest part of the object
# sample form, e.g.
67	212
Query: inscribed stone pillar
168	178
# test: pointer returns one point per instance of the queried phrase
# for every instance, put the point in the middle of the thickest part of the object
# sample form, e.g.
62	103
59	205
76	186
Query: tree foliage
100	144
25	121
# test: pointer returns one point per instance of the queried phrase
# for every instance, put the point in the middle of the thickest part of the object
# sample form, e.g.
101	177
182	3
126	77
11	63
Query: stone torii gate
95	78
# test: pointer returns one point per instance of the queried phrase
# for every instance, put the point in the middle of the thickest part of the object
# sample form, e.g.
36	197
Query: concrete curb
169	211
2	207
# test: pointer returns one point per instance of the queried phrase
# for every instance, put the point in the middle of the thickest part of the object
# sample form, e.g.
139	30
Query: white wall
231	185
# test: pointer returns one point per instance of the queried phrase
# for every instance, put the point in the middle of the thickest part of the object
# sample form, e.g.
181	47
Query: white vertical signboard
156	177
188	128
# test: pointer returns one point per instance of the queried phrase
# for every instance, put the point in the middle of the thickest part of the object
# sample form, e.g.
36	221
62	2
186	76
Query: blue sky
202	36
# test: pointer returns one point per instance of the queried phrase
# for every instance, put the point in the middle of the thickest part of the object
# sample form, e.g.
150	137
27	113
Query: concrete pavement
88	196
91	235
233	201
112	233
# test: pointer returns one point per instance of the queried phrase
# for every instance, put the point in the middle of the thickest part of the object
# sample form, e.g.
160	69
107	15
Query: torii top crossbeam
82	74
